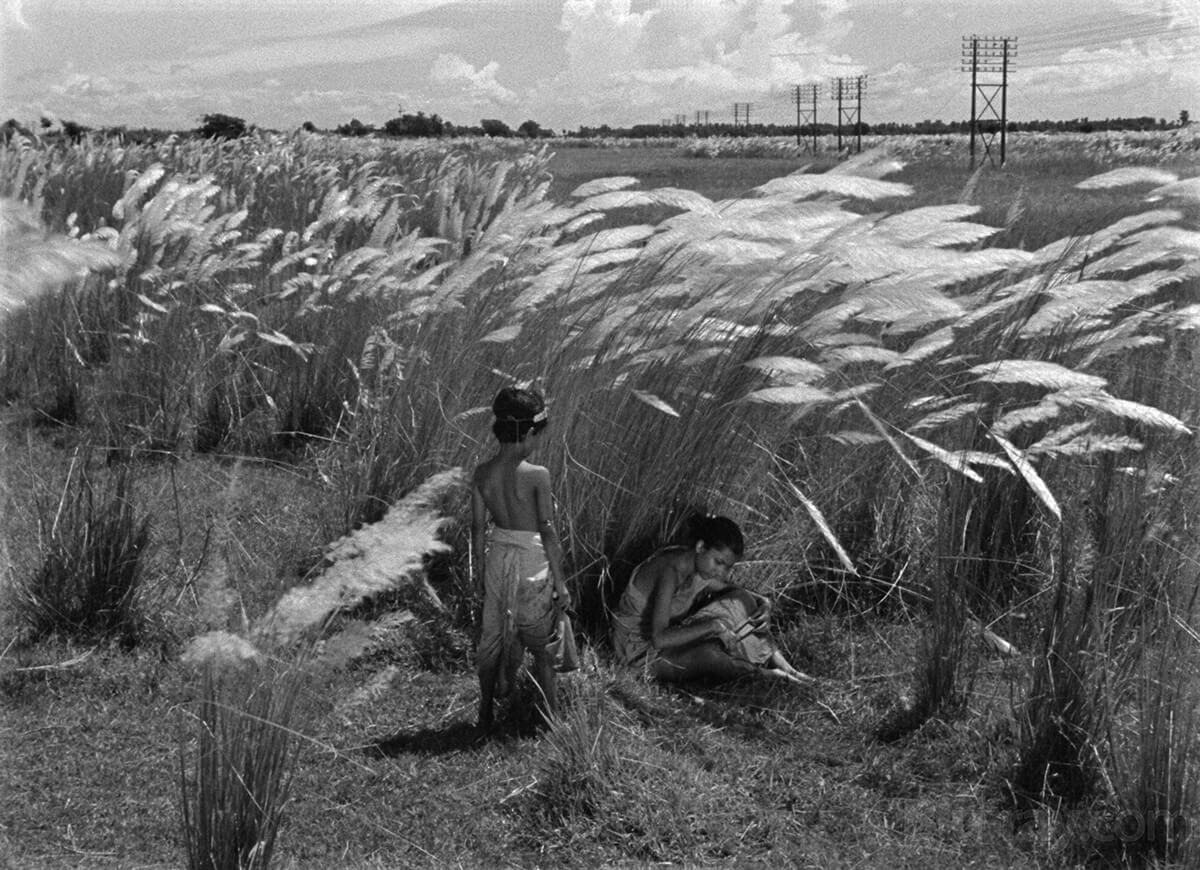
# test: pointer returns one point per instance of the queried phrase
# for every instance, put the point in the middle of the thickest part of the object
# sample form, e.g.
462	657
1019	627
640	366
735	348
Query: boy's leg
487	691
702	661
543	675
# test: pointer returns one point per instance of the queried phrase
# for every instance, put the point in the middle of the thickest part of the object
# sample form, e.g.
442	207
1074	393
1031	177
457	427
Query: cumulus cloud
479	85
13	15
84	86
667	57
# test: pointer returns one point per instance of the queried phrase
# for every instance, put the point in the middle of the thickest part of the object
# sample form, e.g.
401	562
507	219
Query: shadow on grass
515	723
454	737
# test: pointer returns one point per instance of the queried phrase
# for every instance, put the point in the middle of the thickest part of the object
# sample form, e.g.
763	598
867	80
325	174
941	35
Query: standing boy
519	569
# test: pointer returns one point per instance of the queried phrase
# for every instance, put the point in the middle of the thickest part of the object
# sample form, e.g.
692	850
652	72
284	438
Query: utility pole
849	90
741	112
989	56
806	111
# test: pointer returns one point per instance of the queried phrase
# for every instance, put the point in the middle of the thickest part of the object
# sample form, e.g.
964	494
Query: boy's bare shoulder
670	560
536	471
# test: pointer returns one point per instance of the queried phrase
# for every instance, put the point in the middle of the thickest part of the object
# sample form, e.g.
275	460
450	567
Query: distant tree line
432	126
420	125
886	128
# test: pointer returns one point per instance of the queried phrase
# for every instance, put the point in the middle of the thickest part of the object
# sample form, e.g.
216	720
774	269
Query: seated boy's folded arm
662	633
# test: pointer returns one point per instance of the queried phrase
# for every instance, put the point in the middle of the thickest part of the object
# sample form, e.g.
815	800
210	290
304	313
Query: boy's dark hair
518	412
716	533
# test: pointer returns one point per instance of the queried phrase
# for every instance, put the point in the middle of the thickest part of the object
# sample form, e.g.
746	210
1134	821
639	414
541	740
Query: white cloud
13	16
670	58
478	85
83	86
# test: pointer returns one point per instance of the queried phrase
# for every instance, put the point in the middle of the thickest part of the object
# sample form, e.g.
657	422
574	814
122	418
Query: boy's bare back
516	495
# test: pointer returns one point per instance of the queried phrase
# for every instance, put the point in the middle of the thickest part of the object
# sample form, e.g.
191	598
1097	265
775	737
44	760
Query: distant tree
308	127
531	129
74	131
218	126
355	128
419	124
1184	118
492	127
12	127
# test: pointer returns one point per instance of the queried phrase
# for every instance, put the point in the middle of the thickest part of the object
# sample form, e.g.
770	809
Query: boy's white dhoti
518	603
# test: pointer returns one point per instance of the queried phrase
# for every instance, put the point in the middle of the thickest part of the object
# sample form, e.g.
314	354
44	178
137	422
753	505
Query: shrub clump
92	545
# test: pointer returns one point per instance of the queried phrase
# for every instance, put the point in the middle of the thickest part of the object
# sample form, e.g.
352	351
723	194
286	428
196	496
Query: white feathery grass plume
1029	473
872	163
359	637
138	185
851	186
1147	248
220	649
1087	445
952	460
33	261
795	394
788	369
822	525
879	427
1085	299
1127	410
503	335
857	354
1034	372
937	226
1048	408
946	416
1126	176
978	457
603	185
855	438
925	347
905	305
1114	346
1069	253
369	561
655	402
1188	189
1185	318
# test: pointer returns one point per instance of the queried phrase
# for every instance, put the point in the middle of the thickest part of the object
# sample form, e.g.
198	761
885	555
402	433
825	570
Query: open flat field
971	401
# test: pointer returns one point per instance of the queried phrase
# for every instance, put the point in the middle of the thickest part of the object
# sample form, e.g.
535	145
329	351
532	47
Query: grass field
268	382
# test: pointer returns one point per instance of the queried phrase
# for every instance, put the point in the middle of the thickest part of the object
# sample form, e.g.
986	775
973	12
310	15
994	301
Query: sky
567	63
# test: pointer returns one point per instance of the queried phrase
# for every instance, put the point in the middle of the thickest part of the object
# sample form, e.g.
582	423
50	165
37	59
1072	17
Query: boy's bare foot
793	676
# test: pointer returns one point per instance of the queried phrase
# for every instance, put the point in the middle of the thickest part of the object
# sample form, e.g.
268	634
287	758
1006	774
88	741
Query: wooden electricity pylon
988	56
806	96
848	91
741	112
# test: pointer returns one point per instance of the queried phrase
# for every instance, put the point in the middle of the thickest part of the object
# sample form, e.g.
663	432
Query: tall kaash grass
234	792
92	544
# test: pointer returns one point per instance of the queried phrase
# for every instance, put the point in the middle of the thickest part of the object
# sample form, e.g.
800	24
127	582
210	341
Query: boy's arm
478	532
545	518
662	633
